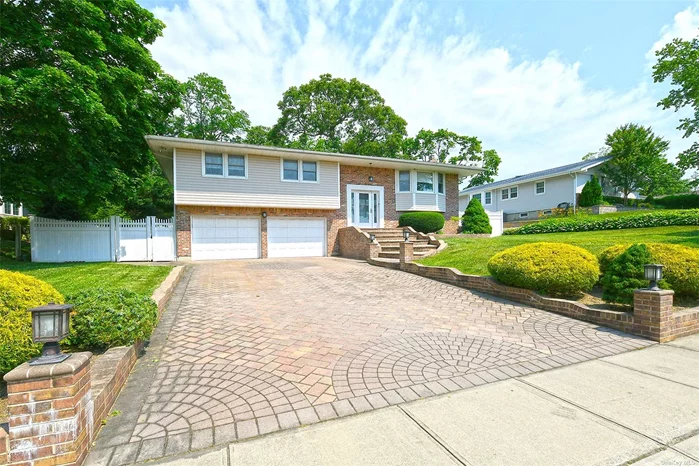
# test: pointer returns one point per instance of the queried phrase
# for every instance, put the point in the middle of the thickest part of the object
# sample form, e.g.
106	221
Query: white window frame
245	157
524	215
536	187
417	173
485	198
478	196
299	164
509	193
443	192
410	181
225	166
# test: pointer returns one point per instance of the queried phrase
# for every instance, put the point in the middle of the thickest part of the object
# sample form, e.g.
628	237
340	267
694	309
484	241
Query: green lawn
70	278
471	255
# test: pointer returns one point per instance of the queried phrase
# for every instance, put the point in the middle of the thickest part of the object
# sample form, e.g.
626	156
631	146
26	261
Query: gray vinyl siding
558	189
404	201
262	188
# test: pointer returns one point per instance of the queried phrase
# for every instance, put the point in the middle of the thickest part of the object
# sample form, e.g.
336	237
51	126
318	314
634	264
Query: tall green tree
337	115
679	61
258	135
206	112
79	90
638	162
447	146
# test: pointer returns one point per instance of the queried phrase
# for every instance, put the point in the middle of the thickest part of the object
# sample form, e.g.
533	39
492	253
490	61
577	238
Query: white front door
366	208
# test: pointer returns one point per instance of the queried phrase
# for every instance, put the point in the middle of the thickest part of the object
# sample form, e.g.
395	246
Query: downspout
575	190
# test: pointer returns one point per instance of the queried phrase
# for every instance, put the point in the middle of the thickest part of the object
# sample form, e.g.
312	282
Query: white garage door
225	238
291	237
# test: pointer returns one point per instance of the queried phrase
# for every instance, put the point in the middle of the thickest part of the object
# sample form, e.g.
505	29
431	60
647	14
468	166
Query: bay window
425	182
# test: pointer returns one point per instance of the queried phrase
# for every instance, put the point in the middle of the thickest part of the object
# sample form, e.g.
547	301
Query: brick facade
335	219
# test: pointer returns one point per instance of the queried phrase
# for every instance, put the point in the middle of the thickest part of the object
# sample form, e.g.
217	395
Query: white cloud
685	26
537	114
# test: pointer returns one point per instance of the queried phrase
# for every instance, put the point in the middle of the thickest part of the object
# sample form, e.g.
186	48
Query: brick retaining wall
663	326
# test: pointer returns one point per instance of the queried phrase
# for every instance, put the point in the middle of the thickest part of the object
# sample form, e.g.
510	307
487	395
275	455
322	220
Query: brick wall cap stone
655	292
70	366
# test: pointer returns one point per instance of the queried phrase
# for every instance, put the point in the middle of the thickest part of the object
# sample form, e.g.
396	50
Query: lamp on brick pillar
406	235
653	273
50	324
372	237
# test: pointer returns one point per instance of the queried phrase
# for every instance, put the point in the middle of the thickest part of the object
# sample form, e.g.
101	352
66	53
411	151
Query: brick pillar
263	237
652	314
406	253
51	412
4	446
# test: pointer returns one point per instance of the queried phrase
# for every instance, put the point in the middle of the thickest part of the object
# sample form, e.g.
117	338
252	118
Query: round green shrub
475	220
424	222
106	318
555	269
625	274
18	294
681	272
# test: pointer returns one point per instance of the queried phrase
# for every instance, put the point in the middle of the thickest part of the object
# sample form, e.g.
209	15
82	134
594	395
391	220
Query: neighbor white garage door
291	237
225	238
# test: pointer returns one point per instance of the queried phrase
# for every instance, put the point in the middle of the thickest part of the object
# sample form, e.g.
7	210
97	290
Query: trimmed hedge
555	269
106	318
424	222
681	272
18	294
684	201
659	218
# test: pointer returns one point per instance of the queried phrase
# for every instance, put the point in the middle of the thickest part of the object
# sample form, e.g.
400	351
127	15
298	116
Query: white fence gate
113	239
496	221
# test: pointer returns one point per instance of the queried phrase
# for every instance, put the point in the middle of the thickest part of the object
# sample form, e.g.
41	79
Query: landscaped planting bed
646	219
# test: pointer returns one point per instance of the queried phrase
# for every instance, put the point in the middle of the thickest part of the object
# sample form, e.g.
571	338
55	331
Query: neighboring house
524	197
245	201
11	210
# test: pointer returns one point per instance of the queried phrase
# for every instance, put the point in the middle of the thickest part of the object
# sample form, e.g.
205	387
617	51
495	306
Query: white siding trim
174	173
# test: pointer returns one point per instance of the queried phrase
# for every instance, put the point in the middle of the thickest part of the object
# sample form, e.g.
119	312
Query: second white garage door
292	237
225	238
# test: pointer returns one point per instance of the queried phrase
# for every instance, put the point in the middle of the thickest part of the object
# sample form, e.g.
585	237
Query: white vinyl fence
113	239
496	221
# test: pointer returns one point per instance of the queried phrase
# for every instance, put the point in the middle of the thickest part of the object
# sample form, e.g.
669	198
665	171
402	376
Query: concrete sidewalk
640	407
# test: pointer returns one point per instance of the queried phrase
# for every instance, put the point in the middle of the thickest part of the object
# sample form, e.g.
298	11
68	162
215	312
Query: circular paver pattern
414	359
194	397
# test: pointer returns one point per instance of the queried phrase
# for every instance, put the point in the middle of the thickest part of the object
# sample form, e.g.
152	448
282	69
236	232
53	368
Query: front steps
390	238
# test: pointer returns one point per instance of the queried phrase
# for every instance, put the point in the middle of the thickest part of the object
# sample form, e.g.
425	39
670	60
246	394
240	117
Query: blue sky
541	82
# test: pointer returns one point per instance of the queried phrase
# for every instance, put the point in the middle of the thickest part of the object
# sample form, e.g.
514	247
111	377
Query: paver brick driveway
257	346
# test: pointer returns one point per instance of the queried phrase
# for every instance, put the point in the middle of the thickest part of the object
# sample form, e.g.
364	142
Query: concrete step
417	247
396	254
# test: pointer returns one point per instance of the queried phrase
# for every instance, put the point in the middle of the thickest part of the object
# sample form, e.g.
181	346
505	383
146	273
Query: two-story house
525	197
246	201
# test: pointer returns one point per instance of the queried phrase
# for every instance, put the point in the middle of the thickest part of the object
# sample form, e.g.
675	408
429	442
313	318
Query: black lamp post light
372	237
406	235
50	324
653	273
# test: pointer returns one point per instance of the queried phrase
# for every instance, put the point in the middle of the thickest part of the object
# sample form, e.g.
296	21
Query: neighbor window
513	192
440	183
477	196
404	181
488	198
15	209
540	187
213	164
236	166
505	193
310	171
524	215
425	182
291	170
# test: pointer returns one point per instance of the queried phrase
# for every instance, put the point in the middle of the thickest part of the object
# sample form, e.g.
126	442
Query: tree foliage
337	115
79	90
679	61
447	146
258	135
625	274
475	220
206	112
591	193
638	162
